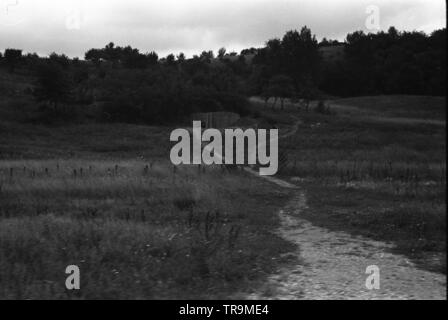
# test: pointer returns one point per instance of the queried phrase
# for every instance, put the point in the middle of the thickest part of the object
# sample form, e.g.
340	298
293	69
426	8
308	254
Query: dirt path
332	265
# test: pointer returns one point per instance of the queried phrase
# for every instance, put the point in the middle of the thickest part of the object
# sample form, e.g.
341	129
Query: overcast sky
190	26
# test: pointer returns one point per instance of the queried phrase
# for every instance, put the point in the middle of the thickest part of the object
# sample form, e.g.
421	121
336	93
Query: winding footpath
332	264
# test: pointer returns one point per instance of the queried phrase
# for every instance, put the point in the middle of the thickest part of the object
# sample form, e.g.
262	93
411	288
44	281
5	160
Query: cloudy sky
190	26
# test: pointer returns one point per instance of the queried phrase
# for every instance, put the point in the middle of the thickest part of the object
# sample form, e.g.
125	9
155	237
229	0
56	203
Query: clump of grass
323	108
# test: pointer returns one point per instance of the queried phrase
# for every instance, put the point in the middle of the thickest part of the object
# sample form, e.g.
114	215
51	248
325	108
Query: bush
322	108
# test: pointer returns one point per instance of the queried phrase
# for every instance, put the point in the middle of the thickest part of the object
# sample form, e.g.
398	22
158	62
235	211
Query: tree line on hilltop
122	84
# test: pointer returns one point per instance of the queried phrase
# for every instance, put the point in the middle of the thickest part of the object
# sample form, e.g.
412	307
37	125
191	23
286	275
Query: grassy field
418	107
136	229
104	197
383	179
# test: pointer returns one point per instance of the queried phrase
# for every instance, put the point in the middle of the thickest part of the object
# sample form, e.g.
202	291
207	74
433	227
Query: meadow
105	198
368	172
86	179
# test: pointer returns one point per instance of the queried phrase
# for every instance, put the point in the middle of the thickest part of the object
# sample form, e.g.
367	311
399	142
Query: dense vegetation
389	63
121	84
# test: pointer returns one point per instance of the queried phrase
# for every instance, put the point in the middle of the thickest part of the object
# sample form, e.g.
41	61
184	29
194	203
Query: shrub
322	108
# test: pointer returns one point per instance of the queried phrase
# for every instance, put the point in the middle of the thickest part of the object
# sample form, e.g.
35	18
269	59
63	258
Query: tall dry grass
136	229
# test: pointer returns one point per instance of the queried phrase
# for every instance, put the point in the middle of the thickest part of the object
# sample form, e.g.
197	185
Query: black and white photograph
224	154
